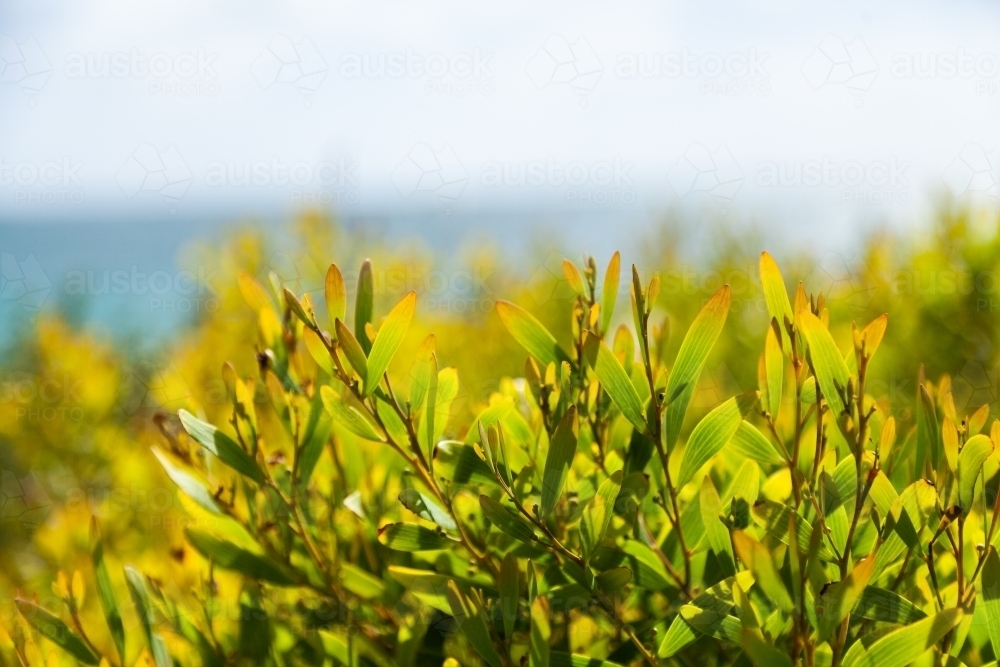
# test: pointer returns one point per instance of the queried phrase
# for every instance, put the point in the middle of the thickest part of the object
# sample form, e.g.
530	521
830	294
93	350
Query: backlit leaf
228	556
713	432
558	460
55	630
390	335
609	291
530	333
411	537
220	444
691	357
614	380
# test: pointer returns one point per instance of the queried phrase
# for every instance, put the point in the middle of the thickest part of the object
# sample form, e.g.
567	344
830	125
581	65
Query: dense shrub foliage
600	505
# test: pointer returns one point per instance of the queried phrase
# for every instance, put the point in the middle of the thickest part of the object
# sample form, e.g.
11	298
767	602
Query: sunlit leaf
229	556
530	333
411	537
220	444
390	335
55	630
336	295
713	432
364	306
597	516
506	521
615	381
831	371
757	558
469	616
691	357
558	460
609	290
970	461
904	645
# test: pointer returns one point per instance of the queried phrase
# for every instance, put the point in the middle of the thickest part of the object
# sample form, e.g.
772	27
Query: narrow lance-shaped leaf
390	335
426	508
839	599
562	448
105	589
410	537
144	608
469	616
336	295
831	371
55	630
531	334
970	461
597	515
220	444
364	306
903	645
713	432
352	350
231	557
541	630
510	591
878	604
775	294
718	534
506	521
758	560
194	488
349	416
609	292
698	342
614	380
989	586
774	364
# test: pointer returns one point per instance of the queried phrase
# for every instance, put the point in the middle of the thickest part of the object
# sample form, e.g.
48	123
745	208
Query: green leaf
390	335
712	623
314	440
615	381
775	294
506	521
363	584
426	508
349	417
598	513
613	580
318	351
698	342
718	598
970	461
55	630
609	291
531	334
410	537
758	560
718	534
220	444
904	645
468	614
831	370
774	364
231	557
189	484
989	587
558	461
878	604
713	432
144	608
364	306
510	591
761	653
353	350
106	590
336	295
839	598
457	462
297	308
752	444
774	516
541	631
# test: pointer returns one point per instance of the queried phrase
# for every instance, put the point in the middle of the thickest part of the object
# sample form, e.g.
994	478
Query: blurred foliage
323	521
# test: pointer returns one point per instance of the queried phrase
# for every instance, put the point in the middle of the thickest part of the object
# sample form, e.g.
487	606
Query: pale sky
819	118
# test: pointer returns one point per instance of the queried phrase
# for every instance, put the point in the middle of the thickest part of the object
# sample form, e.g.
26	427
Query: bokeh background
149	152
